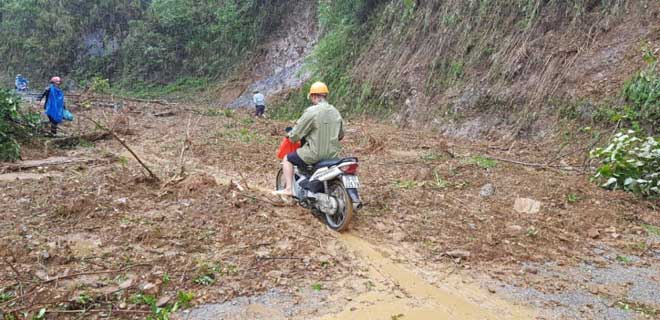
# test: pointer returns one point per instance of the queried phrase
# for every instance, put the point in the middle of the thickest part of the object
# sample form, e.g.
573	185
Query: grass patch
651	229
243	135
573	198
482	162
624	259
431	156
317	287
219	112
408	184
637	307
183	87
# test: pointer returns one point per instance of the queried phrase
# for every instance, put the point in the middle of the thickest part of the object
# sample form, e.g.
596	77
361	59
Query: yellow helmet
318	88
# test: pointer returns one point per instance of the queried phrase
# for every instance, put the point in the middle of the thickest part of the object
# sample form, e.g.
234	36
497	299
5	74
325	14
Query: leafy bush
14	125
643	91
630	163
99	85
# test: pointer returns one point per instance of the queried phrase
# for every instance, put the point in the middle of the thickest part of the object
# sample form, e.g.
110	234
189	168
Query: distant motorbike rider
20	84
321	127
54	104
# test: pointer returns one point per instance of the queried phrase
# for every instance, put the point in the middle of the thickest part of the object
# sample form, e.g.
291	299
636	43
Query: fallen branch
33	289
537	165
54	161
185	145
151	174
90	137
99	311
272	203
161	102
114	106
114	135
165	114
95	272
279	258
13	268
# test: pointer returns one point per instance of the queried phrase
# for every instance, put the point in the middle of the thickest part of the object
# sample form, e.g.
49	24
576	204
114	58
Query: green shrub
643	91
99	85
630	163
15	125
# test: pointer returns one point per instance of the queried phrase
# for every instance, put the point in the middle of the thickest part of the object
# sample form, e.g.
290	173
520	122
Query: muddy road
447	232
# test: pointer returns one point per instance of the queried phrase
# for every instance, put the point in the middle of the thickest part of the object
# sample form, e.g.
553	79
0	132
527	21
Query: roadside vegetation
631	160
16	125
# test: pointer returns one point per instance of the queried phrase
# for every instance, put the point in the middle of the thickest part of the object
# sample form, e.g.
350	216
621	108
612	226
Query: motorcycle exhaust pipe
355	197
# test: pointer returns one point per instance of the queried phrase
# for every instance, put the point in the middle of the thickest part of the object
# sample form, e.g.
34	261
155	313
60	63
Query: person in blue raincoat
54	104
21	84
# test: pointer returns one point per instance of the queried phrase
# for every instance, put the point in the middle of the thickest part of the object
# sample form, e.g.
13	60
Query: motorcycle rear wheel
280	184
340	220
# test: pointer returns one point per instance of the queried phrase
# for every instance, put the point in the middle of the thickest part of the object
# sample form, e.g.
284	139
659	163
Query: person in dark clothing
55	108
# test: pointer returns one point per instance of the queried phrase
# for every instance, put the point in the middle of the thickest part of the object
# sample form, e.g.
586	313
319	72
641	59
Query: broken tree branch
13	268
123	143
96	272
151	174
54	161
536	165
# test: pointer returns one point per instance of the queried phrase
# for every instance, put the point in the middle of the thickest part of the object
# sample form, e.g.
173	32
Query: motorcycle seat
333	162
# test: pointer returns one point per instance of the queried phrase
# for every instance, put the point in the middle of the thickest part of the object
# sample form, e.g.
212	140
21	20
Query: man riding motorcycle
321	127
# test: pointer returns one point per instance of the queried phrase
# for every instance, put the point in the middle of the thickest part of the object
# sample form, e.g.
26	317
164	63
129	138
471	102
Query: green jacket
322	127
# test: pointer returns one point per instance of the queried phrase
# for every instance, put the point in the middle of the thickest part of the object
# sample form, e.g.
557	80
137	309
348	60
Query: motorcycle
329	188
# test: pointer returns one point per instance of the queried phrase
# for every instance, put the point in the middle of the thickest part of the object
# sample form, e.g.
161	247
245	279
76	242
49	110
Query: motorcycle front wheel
340	220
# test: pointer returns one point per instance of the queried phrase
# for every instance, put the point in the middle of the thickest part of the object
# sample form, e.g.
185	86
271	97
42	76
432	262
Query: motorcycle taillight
349	169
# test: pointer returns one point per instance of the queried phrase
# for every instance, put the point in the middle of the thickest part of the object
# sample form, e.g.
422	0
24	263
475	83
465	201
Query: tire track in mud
410	295
422	300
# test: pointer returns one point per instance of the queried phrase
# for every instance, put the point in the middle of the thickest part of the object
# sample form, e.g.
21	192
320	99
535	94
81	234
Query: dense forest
131	40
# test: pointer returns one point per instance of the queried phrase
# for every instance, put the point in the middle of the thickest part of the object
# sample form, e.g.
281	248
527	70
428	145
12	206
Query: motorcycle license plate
351	182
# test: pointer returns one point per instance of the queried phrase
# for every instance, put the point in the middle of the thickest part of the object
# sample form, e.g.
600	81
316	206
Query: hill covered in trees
465	67
131	40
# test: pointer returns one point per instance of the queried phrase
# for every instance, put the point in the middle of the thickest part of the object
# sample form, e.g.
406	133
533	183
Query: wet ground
439	238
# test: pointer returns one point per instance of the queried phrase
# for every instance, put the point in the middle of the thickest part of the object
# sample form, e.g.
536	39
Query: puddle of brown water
422	300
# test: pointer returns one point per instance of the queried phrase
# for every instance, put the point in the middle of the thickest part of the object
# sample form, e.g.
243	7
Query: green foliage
630	163
407	184
624	259
651	229
184	300
40	315
573	198
15	125
332	60
397	316
205	279
99	85
648	311
482	162
317	287
431	156
5	295
532	232
643	91
132	41
207	274
43	37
